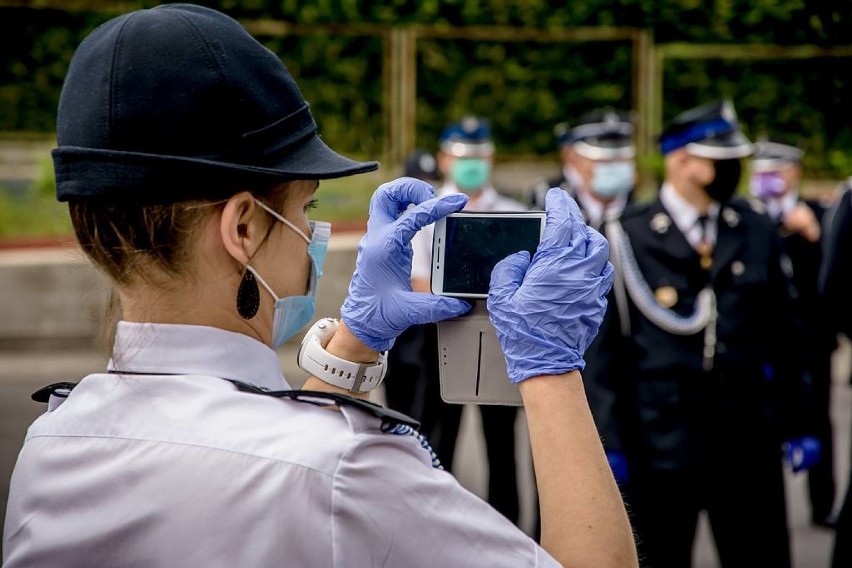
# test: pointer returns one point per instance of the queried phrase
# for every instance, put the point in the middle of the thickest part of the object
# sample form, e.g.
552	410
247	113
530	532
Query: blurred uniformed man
598	165
776	172
465	159
700	367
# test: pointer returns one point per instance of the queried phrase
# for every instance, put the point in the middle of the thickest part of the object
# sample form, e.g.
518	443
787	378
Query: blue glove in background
802	453
618	465
381	304
547	311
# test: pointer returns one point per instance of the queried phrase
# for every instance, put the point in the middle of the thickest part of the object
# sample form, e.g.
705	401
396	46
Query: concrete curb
55	298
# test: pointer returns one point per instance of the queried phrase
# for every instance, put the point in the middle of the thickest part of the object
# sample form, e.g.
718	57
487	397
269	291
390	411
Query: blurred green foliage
523	87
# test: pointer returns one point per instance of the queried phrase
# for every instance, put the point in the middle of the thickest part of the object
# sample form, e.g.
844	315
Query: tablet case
471	363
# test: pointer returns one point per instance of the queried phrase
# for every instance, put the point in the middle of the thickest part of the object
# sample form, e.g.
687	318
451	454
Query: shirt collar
682	212
597	211
485	201
777	208
176	349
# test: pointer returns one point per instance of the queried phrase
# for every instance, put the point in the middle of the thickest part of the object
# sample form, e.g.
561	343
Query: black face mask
726	180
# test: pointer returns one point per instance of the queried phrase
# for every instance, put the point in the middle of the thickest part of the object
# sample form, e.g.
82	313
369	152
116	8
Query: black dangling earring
248	296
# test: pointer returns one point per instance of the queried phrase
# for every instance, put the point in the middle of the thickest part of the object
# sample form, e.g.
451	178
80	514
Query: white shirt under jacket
163	463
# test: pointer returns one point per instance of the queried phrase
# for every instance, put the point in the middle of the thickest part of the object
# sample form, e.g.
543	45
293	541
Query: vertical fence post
643	96
399	93
655	100
387	95
408	93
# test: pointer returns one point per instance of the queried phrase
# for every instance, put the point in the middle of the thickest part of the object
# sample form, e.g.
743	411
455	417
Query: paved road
22	372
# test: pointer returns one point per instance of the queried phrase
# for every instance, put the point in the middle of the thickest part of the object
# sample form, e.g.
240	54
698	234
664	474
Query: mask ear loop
292	226
283	220
248	295
251	270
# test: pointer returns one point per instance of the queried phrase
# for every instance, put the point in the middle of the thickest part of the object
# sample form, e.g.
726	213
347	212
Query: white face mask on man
611	179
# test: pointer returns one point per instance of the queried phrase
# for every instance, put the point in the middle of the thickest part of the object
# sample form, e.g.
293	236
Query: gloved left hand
802	453
381	304
547	310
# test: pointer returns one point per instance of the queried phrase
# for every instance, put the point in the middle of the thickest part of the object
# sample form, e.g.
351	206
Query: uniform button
738	268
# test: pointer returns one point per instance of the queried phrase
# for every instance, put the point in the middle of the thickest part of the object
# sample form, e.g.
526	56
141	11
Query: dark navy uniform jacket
649	392
806	258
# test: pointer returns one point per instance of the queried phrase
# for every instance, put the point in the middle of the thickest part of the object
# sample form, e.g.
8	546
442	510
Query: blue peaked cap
709	130
470	129
470	137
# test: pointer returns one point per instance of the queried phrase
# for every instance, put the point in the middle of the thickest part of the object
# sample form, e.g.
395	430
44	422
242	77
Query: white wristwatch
354	377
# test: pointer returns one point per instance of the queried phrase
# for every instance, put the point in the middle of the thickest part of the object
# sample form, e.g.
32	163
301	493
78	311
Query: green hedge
524	88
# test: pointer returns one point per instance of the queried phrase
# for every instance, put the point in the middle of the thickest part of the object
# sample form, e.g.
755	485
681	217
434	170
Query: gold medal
666	296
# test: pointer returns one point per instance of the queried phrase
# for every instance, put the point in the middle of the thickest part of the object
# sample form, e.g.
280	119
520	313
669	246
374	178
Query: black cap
708	131
771	155
470	137
604	134
421	164
179	102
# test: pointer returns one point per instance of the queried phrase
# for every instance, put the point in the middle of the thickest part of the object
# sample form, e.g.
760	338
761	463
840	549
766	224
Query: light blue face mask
611	179
292	313
470	174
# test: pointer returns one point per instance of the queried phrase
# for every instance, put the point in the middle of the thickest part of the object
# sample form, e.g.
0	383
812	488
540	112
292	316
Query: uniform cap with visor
604	134
468	138
421	164
771	155
179	102
709	131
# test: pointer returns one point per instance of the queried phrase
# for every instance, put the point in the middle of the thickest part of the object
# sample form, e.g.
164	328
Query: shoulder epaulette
56	389
388	416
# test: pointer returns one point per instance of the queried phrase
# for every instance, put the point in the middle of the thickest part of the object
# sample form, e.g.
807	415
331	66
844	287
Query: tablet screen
474	245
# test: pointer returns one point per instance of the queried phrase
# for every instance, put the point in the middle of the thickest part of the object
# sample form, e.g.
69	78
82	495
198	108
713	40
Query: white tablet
467	246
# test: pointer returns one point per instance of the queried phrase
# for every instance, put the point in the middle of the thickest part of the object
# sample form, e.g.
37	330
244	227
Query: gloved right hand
381	304
618	464
548	311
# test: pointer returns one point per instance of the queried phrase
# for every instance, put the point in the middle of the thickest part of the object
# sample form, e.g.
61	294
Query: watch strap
349	375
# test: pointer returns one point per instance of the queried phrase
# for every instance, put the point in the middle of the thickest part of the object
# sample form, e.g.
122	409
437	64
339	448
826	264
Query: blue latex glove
802	453
381	304
618	465
548	311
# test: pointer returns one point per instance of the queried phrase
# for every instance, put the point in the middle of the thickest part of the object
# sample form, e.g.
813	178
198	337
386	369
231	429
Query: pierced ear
239	227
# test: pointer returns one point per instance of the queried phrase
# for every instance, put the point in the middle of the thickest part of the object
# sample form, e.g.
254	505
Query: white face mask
611	179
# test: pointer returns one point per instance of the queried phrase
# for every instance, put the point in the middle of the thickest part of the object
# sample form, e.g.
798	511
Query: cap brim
728	146
603	151
771	164
467	149
86	173
315	160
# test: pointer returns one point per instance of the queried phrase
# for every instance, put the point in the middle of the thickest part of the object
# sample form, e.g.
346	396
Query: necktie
705	248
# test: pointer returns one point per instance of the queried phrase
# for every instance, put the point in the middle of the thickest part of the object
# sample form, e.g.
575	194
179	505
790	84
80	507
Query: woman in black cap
189	160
